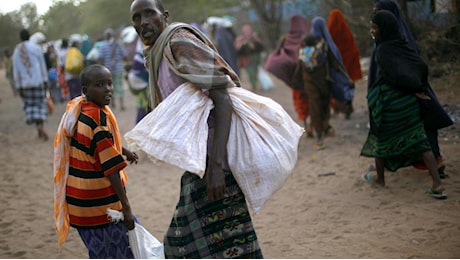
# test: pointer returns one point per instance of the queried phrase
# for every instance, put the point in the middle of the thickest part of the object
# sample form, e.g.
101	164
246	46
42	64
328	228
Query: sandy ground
311	216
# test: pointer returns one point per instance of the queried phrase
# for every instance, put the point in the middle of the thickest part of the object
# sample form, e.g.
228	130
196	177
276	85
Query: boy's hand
128	220
130	156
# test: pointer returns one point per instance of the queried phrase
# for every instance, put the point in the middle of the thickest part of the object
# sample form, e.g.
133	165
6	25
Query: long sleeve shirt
36	74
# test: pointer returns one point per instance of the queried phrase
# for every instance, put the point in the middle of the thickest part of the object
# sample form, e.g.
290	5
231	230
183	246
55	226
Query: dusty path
336	216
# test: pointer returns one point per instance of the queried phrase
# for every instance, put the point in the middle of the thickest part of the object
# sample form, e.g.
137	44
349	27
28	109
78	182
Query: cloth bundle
262	145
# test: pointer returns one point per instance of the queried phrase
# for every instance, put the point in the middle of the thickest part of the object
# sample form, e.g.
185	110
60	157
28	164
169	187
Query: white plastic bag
165	134
142	243
264	78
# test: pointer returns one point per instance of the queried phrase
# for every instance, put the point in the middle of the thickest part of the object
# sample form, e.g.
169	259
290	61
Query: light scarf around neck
208	71
64	133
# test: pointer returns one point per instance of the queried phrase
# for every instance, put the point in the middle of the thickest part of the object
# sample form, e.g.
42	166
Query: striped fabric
93	156
397	132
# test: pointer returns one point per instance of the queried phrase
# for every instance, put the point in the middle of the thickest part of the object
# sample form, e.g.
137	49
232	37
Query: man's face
148	20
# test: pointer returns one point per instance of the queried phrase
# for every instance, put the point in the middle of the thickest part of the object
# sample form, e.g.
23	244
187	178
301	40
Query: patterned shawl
61	161
199	64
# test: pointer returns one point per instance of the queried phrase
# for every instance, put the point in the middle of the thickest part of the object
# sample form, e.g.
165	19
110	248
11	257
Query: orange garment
345	42
65	131
65	93
300	104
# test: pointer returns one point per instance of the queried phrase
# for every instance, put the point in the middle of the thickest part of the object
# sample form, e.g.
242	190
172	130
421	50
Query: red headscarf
345	42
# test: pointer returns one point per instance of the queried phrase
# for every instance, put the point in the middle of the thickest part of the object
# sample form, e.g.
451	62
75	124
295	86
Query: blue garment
224	39
112	54
341	87
110	241
36	74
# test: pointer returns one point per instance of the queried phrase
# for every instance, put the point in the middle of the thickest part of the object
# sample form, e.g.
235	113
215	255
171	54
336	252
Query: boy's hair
87	73
309	40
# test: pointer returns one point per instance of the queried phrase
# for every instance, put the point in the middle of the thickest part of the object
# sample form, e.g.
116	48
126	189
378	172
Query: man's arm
215	179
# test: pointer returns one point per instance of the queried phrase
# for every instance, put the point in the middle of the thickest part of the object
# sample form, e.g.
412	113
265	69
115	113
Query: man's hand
215	182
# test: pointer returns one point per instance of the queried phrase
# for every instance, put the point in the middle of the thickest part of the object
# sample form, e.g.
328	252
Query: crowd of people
319	61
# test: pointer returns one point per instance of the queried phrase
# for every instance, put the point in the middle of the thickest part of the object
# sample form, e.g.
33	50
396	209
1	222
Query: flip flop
436	194
367	177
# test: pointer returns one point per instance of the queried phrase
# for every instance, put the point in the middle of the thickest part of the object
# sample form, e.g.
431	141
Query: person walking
222	34
436	117
74	62
211	219
282	63
89	175
314	60
62	76
346	44
342	86
137	77
396	137
112	54
249	47
31	81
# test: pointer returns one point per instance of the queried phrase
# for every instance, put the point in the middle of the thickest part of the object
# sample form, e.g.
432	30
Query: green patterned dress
397	134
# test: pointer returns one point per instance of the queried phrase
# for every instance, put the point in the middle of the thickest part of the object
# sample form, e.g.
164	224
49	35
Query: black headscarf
398	65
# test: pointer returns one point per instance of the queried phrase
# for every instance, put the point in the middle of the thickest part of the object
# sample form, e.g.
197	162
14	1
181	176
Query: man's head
96	83
109	34
24	35
149	18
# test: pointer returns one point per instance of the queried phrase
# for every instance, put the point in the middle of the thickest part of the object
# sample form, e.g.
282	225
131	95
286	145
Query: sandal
436	194
367	177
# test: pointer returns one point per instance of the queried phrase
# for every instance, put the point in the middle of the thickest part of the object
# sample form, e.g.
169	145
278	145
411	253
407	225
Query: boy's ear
84	89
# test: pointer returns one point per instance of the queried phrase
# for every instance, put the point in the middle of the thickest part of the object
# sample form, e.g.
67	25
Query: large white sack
262	145
176	131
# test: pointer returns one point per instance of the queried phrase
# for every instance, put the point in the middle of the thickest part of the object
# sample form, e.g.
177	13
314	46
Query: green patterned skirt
218	229
397	134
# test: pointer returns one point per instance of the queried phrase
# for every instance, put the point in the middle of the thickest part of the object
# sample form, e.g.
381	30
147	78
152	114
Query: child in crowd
89	170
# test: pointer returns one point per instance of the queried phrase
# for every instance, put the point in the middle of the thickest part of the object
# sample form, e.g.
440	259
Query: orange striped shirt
93	156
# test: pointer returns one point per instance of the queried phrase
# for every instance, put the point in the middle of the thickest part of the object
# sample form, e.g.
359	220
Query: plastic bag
143	244
264	78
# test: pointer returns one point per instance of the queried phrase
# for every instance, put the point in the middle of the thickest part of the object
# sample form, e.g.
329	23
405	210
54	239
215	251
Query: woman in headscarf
315	59
438	117
249	46
282	63
342	86
345	42
396	138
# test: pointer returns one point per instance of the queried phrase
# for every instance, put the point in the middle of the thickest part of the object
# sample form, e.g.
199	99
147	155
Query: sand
311	216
